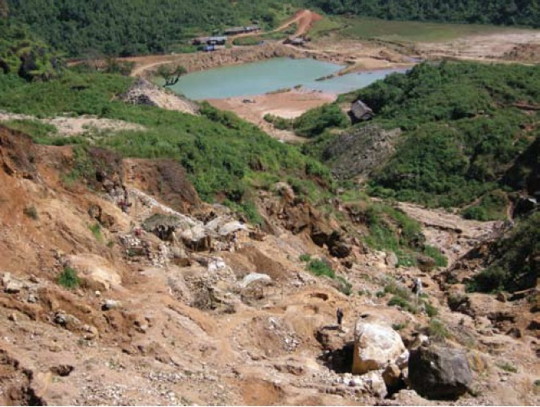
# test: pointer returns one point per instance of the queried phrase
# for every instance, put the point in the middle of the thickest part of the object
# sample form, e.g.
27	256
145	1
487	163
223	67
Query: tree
171	76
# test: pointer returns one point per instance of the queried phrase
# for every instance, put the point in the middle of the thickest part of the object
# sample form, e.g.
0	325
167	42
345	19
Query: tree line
500	12
130	27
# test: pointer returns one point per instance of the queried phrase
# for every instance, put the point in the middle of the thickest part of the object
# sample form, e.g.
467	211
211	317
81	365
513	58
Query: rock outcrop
441	373
359	152
96	271
143	92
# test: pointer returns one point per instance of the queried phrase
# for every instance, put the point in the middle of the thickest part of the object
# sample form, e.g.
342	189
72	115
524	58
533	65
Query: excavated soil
154	322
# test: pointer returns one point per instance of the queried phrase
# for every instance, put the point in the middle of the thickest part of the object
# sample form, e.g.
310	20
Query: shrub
279	123
400	326
96	231
492	206
314	122
68	278
515	260
436	254
431	311
344	285
437	330
31	212
403	304
321	268
397	289
507	367
305	257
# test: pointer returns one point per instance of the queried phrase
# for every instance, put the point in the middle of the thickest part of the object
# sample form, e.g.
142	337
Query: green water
270	75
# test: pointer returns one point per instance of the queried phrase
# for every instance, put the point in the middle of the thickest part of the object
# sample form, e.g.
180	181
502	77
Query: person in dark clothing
339	315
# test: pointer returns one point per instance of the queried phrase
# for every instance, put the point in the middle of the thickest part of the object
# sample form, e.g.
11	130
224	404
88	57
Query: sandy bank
286	104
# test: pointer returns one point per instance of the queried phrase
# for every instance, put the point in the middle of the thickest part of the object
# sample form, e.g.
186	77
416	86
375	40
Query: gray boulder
439	373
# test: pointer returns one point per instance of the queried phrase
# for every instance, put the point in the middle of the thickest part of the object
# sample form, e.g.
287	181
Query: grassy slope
401	31
223	154
461	131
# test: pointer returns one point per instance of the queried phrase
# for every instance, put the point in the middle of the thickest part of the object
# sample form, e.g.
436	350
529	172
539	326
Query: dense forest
22	54
128	27
503	12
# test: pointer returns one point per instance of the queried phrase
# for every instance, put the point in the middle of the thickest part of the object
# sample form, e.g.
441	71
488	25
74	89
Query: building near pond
221	40
360	112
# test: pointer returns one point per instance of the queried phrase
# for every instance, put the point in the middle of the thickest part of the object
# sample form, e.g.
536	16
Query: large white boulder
376	346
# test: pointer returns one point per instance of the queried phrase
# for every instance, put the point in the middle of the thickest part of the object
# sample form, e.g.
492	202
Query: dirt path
139	70
305	20
454	235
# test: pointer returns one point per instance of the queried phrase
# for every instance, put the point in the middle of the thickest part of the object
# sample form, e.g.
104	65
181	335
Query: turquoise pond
270	75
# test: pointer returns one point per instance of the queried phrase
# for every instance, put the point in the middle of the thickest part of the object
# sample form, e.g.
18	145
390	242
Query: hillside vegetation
515	262
121	27
222	154
463	126
503	12
118	27
23	55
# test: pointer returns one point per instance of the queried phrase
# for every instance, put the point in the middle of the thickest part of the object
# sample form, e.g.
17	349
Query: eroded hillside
122	287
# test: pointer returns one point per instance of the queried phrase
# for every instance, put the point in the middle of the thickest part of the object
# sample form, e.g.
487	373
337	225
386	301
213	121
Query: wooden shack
360	112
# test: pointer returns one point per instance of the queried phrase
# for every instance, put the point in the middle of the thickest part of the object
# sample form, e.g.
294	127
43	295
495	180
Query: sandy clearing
288	105
73	126
480	47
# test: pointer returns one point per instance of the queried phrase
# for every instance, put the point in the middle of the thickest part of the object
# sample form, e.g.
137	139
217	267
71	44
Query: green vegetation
403	298
21	54
305	258
462	131
314	122
402	31
39	131
224	156
116	27
507	367
83	167
279	123
400	326
171	76
437	331
68	278
96	231
31	212
435	254
248	41
502	12
321	268
431	311
492	206
404	304
391	230
515	266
